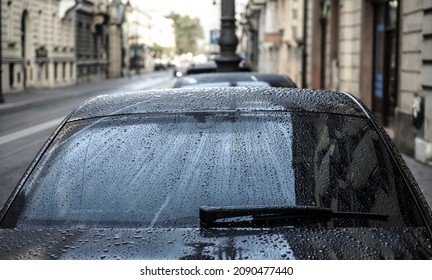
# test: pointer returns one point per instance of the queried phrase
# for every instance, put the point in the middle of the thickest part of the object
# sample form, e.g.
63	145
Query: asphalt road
23	131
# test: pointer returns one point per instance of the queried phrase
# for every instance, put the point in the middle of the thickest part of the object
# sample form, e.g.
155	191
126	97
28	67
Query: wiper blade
211	214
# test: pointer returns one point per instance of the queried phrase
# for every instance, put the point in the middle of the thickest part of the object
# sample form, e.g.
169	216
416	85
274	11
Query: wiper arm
210	214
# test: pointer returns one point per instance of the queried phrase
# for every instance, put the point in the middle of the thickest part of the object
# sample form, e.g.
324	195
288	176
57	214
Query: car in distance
234	79
159	67
180	70
218	173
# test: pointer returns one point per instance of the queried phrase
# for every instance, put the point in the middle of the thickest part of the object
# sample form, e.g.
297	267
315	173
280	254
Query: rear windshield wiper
209	215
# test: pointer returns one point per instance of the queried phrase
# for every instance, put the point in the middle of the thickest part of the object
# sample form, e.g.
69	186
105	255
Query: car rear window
158	170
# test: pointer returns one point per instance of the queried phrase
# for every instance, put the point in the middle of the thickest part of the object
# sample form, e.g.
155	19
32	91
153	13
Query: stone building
148	29
378	50
91	40
118	62
414	111
139	40
275	30
53	43
38	48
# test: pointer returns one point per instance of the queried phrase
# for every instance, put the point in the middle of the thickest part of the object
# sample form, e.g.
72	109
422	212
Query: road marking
29	131
36	143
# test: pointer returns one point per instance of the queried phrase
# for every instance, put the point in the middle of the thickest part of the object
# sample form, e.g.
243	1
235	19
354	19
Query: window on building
71	70
55	71
64	70
10	21
38	72
11	74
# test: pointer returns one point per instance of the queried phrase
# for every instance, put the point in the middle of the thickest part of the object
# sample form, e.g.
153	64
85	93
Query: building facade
274	30
38	48
91	40
378	50
414	111
55	43
139	40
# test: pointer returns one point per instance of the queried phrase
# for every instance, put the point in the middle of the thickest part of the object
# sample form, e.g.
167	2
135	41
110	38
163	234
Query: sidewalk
14	101
423	175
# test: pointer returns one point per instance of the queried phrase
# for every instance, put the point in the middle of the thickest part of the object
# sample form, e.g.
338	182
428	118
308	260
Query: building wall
349	46
290	25
139	40
350	55
341	28
354	70
66	42
275	29
91	40
415	81
47	56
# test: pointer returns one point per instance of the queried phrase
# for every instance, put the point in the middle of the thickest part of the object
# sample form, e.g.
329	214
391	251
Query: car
230	79
159	67
180	70
198	68
211	67
218	173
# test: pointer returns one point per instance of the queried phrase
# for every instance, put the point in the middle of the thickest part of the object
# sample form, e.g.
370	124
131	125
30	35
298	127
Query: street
24	130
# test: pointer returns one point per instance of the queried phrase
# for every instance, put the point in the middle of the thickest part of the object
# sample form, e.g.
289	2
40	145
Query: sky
208	13
203	9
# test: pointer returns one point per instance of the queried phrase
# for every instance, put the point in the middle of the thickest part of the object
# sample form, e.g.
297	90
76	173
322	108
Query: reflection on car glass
188	80
159	170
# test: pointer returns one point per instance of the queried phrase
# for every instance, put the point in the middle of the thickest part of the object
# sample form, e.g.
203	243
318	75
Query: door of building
384	99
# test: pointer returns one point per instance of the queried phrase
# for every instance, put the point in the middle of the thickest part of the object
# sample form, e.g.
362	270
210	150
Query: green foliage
159	51
187	32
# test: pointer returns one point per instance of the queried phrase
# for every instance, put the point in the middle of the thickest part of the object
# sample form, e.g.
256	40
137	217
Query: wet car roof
220	99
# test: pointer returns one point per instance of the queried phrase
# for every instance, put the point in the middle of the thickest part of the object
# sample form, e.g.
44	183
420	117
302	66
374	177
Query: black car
232	79
218	173
159	67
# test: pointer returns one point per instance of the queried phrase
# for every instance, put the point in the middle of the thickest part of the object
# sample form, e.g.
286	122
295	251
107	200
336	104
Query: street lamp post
228	60
1	65
325	7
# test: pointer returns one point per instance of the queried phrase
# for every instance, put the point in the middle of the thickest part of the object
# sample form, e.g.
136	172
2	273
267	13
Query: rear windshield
158	170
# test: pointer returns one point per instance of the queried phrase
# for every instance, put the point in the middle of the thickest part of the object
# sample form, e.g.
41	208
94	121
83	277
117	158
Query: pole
325	7
1	60
228	60
304	54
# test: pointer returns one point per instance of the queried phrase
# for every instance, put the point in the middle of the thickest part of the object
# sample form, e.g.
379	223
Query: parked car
180	70
211	67
218	173
235	79
198	68
159	67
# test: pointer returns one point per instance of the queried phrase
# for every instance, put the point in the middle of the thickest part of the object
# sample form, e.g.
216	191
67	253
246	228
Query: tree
187	32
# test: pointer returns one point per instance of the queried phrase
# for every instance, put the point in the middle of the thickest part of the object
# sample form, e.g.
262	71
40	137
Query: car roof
233	77
184	100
